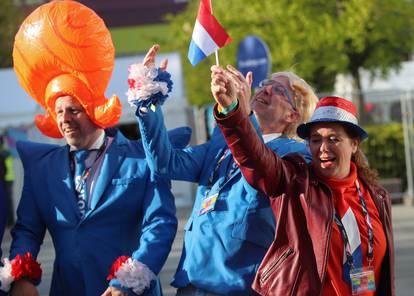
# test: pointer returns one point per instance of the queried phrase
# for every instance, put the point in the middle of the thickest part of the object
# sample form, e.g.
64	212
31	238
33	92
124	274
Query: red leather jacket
296	262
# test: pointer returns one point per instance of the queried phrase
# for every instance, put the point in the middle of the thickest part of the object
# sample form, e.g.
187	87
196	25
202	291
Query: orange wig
64	48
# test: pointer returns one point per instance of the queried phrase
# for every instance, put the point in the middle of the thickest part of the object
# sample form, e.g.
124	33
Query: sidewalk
403	224
403	221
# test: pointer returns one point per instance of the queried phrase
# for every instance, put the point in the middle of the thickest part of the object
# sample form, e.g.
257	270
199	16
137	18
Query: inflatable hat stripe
64	48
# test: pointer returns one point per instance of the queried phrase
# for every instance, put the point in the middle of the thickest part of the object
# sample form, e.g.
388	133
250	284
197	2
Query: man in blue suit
126	212
231	226
108	217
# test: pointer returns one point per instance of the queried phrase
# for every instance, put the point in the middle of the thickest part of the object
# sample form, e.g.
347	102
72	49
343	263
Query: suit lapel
112	159
64	181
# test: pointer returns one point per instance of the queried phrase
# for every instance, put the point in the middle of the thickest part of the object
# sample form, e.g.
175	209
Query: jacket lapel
112	159
64	175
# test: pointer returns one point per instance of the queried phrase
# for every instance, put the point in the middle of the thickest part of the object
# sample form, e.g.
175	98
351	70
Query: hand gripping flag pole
208	35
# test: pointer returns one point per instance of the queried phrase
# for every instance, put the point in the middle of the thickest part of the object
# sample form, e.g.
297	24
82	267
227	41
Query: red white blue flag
208	35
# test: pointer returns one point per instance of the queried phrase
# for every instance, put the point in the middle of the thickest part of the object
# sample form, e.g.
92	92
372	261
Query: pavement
403	223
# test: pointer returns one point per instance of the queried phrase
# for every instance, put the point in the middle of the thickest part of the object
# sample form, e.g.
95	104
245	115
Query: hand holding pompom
148	84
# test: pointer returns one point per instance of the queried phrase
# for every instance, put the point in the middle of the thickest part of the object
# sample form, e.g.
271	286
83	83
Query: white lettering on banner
253	63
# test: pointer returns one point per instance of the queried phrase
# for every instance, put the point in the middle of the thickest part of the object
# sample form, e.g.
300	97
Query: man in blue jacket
109	219
231	226
124	213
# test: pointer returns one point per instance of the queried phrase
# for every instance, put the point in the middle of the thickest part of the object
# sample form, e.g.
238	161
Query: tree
382	37
10	19
315	38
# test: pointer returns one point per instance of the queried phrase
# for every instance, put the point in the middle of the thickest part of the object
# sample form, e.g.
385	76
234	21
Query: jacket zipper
268	272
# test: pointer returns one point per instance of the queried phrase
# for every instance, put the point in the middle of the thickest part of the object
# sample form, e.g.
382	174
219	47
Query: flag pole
216	52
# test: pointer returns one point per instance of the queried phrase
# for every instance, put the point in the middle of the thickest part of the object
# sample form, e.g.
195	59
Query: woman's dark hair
364	171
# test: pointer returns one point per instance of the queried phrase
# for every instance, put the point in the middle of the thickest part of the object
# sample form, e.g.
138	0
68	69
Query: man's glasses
277	89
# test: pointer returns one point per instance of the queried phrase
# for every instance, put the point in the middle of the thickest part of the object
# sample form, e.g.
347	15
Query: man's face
74	124
272	101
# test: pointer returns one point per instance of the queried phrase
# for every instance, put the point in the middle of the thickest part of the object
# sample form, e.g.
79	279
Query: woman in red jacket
334	233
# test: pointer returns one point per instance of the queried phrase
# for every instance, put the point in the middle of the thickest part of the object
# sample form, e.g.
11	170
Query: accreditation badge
208	204
362	280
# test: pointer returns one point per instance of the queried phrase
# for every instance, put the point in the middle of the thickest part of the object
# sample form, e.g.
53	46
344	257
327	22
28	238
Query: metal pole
216	52
406	113
410	101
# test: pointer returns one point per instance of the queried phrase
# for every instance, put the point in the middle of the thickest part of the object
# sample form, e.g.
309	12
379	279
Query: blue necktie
80	177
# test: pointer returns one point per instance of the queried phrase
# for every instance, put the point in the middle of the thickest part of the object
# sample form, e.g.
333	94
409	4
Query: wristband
229	108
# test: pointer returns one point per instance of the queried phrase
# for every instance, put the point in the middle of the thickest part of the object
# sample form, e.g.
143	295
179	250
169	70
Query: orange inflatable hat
64	48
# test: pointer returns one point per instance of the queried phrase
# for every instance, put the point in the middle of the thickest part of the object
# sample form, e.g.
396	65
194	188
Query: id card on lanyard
210	198
362	279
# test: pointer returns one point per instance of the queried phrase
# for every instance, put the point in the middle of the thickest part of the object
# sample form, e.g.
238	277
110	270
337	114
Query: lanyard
349	257
213	174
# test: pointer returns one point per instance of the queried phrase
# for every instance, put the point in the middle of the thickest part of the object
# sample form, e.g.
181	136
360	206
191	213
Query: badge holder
362	280
208	204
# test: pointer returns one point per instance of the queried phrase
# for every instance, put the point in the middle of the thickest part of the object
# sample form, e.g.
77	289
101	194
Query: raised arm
261	167
163	158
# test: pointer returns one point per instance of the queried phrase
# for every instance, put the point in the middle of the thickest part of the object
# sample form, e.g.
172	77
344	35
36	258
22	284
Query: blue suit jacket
222	248
130	214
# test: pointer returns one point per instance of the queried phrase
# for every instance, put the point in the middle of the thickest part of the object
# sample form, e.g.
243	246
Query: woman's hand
223	89
243	85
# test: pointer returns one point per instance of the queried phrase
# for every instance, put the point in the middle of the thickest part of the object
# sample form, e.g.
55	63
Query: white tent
16	107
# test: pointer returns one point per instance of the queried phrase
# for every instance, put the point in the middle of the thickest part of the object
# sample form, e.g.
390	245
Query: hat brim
303	129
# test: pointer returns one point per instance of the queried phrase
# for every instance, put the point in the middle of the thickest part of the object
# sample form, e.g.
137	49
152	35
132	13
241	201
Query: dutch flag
208	35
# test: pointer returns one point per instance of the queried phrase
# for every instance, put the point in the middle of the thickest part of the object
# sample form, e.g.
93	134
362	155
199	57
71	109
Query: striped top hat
333	109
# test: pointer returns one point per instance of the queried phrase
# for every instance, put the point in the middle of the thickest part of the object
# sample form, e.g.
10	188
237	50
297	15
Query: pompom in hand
147	84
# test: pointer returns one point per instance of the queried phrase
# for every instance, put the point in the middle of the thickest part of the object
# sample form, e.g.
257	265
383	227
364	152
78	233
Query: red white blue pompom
18	268
131	274
147	85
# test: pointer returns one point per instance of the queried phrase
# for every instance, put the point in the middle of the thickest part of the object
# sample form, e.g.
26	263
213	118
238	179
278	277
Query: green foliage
315	38
10	19
385	150
138	39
